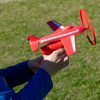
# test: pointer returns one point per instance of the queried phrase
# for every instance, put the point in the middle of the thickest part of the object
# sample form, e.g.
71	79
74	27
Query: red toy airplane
63	36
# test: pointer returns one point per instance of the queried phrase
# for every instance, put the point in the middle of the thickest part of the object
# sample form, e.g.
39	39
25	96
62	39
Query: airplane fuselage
67	31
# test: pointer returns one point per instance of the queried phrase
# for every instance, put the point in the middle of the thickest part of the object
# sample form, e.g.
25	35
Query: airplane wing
69	44
55	26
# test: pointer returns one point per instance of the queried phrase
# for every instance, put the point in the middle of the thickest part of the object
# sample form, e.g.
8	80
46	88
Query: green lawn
18	19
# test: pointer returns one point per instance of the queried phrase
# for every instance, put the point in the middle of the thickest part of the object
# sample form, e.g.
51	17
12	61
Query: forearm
36	89
17	74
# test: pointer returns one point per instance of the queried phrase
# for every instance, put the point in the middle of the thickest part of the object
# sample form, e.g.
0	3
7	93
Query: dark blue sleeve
36	89
17	74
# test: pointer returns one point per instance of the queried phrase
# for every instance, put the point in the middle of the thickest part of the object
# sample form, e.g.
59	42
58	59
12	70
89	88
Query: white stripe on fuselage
59	36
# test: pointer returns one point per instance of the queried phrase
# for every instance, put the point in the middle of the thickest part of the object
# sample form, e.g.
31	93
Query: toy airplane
62	36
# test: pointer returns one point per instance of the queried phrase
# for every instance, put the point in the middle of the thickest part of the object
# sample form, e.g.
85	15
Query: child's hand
55	61
35	64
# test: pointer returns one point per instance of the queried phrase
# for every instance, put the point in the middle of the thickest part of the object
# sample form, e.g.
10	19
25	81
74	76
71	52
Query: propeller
87	23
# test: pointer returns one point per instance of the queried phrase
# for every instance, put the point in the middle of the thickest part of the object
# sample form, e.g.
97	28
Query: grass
18	19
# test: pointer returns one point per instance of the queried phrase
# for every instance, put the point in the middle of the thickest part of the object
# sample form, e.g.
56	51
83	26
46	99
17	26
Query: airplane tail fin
33	40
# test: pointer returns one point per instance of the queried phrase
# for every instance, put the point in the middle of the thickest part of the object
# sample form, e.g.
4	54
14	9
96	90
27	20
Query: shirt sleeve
17	74
36	89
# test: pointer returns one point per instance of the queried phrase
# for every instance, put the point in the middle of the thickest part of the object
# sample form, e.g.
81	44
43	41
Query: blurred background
20	18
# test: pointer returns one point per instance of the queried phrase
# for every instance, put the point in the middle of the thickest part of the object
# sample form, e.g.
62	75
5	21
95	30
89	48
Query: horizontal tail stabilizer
33	40
34	46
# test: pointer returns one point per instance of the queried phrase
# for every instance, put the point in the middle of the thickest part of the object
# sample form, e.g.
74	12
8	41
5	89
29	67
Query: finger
62	57
44	56
65	59
58	52
65	65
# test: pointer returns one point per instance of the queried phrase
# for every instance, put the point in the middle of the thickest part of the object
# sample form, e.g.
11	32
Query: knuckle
67	58
55	53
